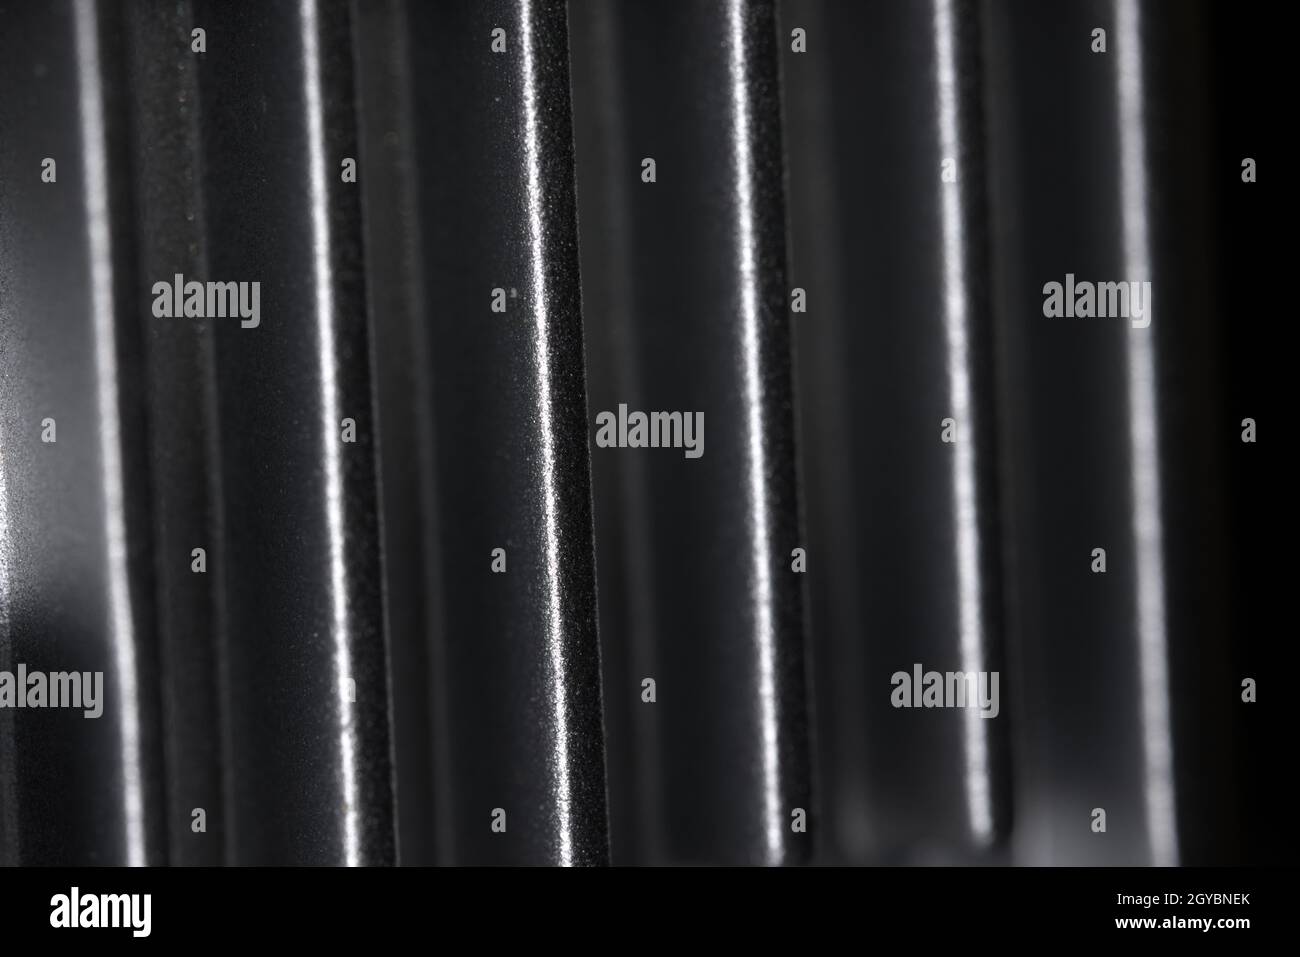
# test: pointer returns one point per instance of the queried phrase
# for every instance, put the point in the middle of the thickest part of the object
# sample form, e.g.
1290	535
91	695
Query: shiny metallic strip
103	308
1149	544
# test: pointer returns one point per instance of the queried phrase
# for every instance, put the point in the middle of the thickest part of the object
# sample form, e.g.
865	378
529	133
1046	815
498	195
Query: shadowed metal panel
404	393
687	279
75	580
499	440
1127	677
891	247
167	170
301	551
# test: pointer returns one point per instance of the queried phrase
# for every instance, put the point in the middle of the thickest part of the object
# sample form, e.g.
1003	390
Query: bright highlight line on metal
977	777
1157	744
550	507
90	102
761	555
330	422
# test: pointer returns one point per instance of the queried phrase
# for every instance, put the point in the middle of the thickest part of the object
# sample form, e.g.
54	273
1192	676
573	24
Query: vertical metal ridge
184	474
413	573
966	318
574	725
758	419
94	154
903	348
1144	451
703	319
515	668
323	244
539	267
302	556
831	507
1102	457
627	590
1192	732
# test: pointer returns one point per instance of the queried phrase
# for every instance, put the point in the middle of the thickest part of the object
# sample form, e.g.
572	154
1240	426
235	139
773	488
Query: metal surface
687	311
437	619
75	573
904	526
499	439
242	440
301	553
1129	676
